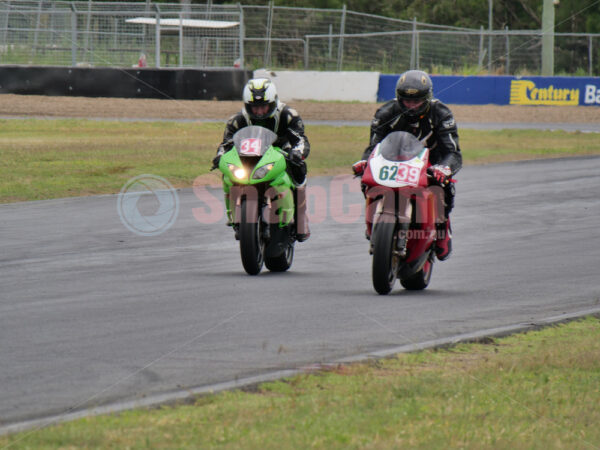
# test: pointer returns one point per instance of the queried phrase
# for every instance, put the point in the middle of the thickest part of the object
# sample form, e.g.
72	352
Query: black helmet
414	85
260	92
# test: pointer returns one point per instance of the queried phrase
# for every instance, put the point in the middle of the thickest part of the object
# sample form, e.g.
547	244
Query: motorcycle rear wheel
252	245
419	280
282	262
385	260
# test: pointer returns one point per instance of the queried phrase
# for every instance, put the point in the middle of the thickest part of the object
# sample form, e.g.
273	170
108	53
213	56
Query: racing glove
441	174
359	167
295	155
217	158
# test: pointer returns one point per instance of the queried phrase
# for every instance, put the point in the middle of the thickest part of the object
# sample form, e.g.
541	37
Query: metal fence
44	32
453	52
118	34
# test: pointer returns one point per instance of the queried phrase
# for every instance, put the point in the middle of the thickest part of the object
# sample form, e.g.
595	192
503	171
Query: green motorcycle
259	198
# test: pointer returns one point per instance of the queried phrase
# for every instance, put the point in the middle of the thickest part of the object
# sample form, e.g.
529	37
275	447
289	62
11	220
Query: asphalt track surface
92	314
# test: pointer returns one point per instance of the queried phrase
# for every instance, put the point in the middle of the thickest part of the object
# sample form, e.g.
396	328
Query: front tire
385	260
252	245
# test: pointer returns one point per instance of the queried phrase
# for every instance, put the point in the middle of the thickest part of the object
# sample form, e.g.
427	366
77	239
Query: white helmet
258	93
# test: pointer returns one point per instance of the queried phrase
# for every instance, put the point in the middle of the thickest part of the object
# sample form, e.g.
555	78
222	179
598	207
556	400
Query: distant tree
578	16
460	13
575	16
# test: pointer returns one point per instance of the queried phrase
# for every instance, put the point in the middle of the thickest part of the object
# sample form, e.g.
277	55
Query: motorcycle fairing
396	174
264	175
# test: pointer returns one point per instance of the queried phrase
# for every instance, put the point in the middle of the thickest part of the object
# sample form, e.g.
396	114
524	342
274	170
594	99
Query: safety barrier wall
227	84
506	90
129	83
324	86
466	90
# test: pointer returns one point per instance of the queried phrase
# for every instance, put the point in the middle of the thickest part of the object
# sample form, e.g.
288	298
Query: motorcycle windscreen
253	140
400	146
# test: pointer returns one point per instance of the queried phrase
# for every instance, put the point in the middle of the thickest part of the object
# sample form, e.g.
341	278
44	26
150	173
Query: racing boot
368	218
443	245
302	229
236	227
228	211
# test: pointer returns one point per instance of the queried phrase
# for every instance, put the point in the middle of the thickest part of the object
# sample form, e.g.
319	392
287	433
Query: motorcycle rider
416	111
263	108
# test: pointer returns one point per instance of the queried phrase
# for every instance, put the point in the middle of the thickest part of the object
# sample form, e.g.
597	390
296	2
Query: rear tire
252	245
385	261
282	262
419	280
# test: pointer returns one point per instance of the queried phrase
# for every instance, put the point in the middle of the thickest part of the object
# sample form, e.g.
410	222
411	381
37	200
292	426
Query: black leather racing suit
436	129
288	126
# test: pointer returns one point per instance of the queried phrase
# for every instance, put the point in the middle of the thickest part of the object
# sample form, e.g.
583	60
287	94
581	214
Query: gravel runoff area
116	108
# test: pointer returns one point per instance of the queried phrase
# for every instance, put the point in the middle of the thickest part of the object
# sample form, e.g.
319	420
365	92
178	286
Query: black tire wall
180	84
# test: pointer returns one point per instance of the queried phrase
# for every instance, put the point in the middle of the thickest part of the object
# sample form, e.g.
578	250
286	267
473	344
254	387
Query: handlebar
447	181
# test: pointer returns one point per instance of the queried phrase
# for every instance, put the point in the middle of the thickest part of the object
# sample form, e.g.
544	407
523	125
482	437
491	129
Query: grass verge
536	390
43	159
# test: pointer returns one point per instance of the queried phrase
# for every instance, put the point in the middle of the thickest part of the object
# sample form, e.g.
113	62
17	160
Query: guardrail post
507	51
306	41
329	53
413	45
417	47
548	38
5	25
37	28
157	38
590	56
73	35
481	51
491	26
86	44
242	32
180	39
267	61
341	41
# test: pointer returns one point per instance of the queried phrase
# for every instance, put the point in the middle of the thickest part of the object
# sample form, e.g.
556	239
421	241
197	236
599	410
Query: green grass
42	159
538	390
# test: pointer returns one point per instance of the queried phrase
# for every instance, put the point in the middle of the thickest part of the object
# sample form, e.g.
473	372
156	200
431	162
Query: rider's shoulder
290	115
388	109
288	111
442	116
440	109
237	120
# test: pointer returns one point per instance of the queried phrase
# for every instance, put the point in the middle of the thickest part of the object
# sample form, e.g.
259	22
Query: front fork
390	207
276	204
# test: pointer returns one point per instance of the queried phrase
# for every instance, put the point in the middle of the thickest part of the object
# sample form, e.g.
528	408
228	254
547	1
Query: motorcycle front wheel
252	245
385	259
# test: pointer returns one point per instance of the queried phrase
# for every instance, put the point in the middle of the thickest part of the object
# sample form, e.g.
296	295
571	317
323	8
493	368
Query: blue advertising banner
506	90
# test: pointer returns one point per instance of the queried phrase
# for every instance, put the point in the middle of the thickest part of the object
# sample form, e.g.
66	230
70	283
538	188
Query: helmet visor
414	104
260	110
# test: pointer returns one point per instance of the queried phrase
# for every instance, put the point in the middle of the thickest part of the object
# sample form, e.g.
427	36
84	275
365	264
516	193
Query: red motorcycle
402	210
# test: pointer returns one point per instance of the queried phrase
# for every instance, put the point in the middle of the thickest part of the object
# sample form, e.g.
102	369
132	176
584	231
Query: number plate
251	147
398	173
401	173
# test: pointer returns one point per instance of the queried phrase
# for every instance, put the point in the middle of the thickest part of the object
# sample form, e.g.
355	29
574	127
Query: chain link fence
43	32
118	34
